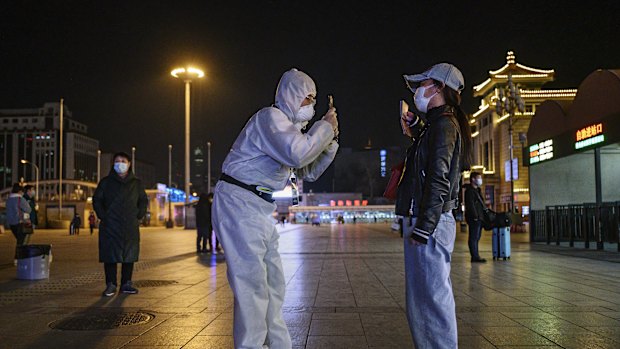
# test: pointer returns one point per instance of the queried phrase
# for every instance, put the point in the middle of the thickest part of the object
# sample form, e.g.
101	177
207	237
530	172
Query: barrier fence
587	223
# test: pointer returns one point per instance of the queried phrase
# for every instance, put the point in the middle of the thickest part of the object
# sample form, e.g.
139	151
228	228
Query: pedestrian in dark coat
204	226
120	203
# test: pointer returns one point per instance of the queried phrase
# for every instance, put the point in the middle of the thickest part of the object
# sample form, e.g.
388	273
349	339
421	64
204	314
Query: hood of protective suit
293	88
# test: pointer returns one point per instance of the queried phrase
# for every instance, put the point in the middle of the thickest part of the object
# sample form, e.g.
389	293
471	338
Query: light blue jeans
430	302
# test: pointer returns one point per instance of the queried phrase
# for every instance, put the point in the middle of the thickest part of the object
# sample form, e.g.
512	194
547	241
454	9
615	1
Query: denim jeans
430	302
475	230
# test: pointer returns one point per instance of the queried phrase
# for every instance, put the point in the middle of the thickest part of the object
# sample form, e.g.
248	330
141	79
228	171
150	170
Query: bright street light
36	171
187	74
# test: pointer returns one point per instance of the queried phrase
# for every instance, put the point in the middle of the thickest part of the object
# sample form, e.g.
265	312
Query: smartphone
404	108
330	101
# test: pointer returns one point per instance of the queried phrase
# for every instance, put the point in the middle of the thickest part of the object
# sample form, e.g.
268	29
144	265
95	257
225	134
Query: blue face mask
121	167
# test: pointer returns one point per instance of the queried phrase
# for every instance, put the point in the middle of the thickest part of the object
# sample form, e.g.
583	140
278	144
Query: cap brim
413	81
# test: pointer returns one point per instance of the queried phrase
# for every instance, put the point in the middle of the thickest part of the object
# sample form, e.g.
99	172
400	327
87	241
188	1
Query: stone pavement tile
512	336
389	342
533	314
155	347
474	342
582	340
552	346
611	314
340	342
163	335
484	319
335	302
395	309
386	330
218	328
350	326
226	316
191	320
550	326
608	332
172	310
210	342
499	304
335	316
375	301
53	340
542	301
587	319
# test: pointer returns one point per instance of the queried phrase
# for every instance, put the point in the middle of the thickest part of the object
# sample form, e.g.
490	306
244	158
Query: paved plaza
345	289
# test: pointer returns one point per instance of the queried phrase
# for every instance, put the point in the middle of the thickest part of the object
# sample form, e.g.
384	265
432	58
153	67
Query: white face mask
421	102
478	181
305	113
121	167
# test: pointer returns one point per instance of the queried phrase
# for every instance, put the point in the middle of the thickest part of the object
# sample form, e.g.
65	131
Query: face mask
478	181
421	102
305	113
121	167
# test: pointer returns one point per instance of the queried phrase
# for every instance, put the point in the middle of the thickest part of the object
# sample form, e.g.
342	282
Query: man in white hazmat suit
268	149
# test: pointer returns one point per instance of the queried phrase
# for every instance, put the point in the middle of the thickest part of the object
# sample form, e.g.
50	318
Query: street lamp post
509	101
98	165
187	75
209	167
133	160
169	223
36	171
60	191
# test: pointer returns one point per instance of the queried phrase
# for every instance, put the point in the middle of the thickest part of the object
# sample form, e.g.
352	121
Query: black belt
447	207
253	188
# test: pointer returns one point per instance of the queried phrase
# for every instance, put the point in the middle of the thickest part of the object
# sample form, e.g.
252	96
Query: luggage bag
501	243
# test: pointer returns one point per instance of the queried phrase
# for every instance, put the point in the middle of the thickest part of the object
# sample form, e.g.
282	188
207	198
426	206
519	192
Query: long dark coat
203	213
120	204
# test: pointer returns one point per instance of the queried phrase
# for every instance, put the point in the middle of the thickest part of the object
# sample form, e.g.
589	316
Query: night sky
110	60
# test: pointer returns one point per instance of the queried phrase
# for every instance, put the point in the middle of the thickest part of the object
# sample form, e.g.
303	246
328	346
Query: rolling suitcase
501	243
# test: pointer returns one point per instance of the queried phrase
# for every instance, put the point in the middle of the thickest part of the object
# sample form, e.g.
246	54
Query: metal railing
587	223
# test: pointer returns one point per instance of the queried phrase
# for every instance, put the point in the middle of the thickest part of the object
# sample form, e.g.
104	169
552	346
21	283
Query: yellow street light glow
189	72
23	161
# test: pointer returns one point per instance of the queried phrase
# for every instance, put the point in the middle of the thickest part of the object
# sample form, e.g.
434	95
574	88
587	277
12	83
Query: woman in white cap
427	194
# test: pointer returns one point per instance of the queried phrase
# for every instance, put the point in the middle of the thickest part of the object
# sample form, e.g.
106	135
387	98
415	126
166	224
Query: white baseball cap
445	73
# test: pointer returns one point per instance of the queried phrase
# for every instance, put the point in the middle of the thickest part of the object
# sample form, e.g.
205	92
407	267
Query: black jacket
203	213
120	204
431	179
473	204
34	218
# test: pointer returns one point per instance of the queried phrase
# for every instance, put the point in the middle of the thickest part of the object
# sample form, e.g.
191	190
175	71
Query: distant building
490	131
198	169
33	135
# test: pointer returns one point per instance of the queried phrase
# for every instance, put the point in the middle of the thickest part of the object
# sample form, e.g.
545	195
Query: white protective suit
268	147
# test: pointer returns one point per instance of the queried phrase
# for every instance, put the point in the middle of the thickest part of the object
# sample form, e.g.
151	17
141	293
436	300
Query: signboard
541	151
589	135
515	169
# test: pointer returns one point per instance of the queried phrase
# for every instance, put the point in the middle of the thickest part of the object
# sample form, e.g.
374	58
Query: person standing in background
16	208
120	203
92	221
473	215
